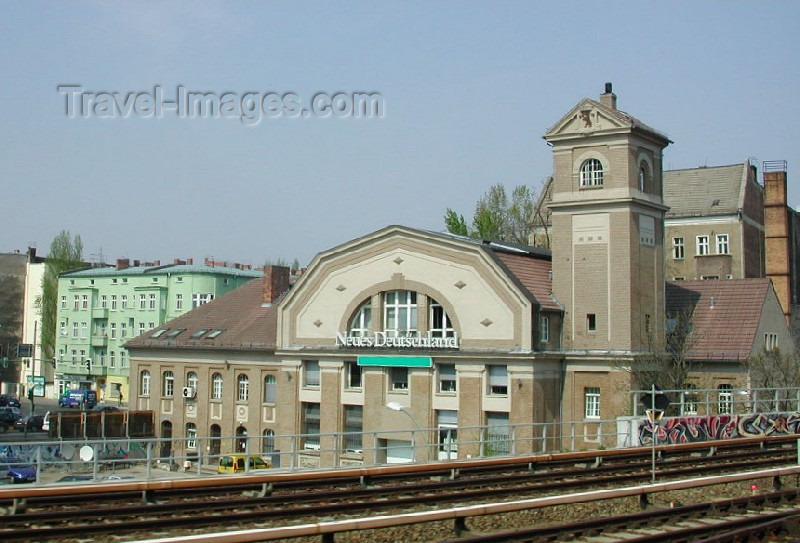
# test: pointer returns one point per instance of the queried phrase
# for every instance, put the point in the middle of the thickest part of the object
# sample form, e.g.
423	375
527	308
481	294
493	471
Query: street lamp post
397	406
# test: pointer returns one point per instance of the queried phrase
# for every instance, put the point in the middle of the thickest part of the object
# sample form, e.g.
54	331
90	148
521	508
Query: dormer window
591	173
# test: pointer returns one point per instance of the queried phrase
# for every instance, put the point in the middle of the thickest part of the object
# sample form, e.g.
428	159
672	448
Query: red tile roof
724	314
534	274
246	323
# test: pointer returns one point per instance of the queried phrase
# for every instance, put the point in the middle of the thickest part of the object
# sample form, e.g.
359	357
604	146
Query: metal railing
721	401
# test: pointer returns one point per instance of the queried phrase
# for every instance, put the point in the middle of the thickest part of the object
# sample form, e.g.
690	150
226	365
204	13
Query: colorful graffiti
673	430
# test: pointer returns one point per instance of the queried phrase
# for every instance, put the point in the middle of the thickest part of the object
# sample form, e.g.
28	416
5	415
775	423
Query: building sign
380	339
396	361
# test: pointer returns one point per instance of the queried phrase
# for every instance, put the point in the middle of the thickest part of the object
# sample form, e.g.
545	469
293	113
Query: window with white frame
168	384
216	386
144	383
123	330
447	377
544	329
591	402
200	299
268	442
497	380
191	380
142	301
352	374
310	373
191	435
725	398
141	328
122	359
75	325
113	327
362	320
689	399
76	302
85	301
152	301
591	173
103	301
63	302
123	301
269	389
440	324
400	313
398	378
113	302
770	341
702	245
178	302
722	244
243	387
84	329
678	249
112	362
498	432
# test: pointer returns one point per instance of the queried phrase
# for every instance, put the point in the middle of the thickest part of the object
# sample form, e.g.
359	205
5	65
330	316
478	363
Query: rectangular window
702	245
447	426
678	251
722	244
142	301
498	433
400	313
440	324
353	377
544	329
103	301
178	302
111	360
310	373
689	400
725	397
122	360
770	341
84	330
399	377
75	329
200	299
123	330
647	324
591	322
123	302
141	328
113	302
152	301
498	380
101	357
63	302
353	427
76	302
113	330
591	402
85	301
447	377
310	425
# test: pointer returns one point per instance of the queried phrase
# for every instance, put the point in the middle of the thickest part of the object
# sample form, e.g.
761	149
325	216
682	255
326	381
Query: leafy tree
66	253
497	217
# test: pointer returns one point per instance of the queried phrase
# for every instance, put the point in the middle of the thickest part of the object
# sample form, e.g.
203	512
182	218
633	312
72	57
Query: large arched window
144	383
243	388
361	321
269	389
168	383
591	173
400	313
216	386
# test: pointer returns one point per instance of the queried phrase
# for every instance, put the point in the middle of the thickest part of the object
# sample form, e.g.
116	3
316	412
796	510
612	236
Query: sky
465	92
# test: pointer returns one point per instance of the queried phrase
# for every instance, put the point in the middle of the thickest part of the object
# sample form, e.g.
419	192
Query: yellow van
234	463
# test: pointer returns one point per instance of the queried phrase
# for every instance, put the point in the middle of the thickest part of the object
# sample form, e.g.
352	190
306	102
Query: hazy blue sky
468	88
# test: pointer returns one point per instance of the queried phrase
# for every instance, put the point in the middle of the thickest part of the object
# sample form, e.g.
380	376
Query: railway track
118	519
752	518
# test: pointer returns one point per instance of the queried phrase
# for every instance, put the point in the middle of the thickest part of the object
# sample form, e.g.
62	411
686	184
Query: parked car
7	400
106	408
8	418
18	471
78	398
32	423
234	463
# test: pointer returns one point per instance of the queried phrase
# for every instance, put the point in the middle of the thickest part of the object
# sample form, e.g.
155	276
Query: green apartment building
100	308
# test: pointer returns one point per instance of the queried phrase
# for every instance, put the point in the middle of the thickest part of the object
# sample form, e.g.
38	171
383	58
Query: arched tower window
591	173
643	175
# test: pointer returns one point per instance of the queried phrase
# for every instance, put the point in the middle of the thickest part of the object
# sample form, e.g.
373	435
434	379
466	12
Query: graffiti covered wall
675	430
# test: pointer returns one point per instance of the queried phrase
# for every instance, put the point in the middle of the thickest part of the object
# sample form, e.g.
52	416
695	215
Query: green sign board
37	382
396	361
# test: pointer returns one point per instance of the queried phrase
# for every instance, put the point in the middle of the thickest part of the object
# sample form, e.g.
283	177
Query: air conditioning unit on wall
189	393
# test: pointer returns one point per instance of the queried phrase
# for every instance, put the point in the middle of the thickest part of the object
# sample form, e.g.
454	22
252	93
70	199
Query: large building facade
100	308
404	329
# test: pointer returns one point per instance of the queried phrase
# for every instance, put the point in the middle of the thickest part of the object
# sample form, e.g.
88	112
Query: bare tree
778	370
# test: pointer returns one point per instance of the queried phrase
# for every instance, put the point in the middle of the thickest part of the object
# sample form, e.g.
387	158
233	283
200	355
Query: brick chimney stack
776	234
275	283
608	98
123	263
